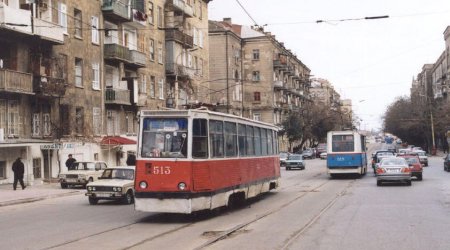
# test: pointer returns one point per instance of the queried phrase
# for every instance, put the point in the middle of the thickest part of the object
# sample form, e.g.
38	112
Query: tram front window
164	138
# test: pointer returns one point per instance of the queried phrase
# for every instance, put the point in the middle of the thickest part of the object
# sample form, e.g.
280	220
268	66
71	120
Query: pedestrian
18	170
70	163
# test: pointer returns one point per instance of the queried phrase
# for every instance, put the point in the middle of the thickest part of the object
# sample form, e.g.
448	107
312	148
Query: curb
34	199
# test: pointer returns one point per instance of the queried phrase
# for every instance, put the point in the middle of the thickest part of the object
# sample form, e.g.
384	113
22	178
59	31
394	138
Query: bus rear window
343	143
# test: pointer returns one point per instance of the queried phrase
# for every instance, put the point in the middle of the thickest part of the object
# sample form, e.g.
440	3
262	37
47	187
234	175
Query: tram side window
230	139
263	141
199	138
275	142
242	140
269	142
250	148
216	138
257	141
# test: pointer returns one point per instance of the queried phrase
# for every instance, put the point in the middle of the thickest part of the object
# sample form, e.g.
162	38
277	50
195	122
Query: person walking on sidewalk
18	170
70	163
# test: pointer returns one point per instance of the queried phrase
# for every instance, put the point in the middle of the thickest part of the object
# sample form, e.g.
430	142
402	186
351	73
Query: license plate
72	180
102	195
393	170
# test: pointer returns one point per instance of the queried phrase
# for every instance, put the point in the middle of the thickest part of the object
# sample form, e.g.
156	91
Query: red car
414	165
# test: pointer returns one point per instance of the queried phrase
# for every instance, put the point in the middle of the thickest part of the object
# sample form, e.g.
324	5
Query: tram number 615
161	170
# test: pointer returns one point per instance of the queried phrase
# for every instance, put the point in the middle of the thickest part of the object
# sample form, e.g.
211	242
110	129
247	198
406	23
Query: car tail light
406	170
381	170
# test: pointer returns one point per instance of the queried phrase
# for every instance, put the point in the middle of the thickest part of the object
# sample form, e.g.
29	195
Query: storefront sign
55	146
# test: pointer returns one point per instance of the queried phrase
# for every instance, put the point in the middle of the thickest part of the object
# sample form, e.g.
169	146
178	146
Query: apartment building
274	81
74	75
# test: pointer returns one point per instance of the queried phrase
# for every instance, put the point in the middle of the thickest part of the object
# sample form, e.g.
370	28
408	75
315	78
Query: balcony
117	52
181	6
116	10
138	58
117	96
179	71
279	64
17	82
49	31
49	86
176	35
138	19
278	85
16	20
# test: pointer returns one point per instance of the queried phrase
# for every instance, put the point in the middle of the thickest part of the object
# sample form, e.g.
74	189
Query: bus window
199	138
257	140
263	141
164	137
230	139
250	150
216	138
242	140
343	143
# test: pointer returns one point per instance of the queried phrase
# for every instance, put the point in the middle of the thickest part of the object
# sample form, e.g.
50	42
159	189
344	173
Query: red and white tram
191	160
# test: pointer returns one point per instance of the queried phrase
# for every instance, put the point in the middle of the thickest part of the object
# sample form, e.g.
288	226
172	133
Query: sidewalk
37	192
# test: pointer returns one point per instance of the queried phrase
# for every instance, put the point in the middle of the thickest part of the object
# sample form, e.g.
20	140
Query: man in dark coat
70	162
18	170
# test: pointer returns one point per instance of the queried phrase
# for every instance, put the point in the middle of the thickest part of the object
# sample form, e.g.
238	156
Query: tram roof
205	112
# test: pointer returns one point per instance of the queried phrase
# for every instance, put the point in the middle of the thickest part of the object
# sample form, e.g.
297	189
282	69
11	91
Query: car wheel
93	201
63	185
378	183
419	177
288	168
408	183
128	199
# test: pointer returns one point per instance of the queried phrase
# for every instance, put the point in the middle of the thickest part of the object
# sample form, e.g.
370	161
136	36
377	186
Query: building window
130	123
95	32
189	61
160	53
257	96
97	121
196	65
78	72
96	76
62	17
152	86
200	68
200	39
161	88
47	124
36	124
143	84
152	50
78	23
2	169
256	54
79	120
255	76
160	17
13	118
151	12
257	116
200	15
195	32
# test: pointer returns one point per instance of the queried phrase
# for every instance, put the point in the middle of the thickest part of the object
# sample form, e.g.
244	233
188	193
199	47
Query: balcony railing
117	52
138	58
181	5
179	70
49	86
116	10
279	64
278	84
117	96
20	18
48	30
176	35
14	81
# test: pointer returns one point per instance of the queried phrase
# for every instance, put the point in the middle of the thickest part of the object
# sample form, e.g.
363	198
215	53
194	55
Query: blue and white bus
346	153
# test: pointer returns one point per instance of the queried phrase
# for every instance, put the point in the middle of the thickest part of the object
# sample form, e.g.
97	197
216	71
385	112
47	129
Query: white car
422	157
82	173
116	183
323	155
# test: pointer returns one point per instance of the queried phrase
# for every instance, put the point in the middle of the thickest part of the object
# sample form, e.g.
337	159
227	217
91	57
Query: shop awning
116	140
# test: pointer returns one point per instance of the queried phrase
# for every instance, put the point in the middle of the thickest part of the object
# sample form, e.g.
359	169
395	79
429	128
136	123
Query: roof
116	140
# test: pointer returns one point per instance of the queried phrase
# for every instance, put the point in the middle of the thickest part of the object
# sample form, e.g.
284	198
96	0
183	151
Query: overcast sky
370	62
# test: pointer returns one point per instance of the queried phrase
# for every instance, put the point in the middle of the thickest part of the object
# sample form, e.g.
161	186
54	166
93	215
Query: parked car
82	173
308	153
323	155
422	157
414	165
447	162
283	157
393	169
116	183
295	161
321	148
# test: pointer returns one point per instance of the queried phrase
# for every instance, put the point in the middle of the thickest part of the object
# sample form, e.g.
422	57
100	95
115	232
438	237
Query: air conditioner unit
109	113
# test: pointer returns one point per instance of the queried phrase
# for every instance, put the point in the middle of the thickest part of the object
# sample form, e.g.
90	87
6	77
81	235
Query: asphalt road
308	211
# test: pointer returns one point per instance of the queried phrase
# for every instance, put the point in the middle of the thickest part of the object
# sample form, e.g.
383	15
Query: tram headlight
181	186
143	184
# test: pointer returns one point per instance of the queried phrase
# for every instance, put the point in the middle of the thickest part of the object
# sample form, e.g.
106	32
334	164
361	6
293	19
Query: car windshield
123	174
164	138
393	161
412	160
283	155
383	154
421	153
295	157
83	166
